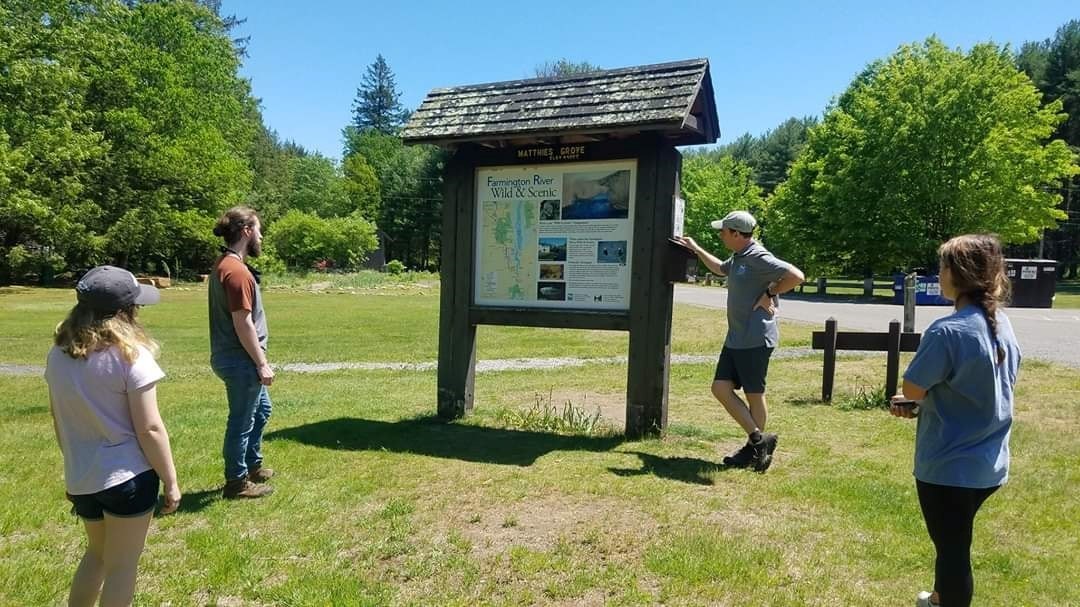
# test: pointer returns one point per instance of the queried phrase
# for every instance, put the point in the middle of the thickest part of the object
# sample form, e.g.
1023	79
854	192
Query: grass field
379	504
1067	294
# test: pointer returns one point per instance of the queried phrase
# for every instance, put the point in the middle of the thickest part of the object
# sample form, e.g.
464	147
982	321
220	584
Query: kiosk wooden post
624	124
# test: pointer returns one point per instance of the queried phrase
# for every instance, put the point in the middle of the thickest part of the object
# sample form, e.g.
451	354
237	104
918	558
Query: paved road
1052	335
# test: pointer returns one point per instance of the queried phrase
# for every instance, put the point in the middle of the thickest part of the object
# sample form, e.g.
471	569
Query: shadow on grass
806	401
191	503
685	469
435	438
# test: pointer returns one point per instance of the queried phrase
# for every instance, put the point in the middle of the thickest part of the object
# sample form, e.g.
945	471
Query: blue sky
770	60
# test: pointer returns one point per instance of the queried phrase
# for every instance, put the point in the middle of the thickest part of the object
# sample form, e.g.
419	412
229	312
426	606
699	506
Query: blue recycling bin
927	291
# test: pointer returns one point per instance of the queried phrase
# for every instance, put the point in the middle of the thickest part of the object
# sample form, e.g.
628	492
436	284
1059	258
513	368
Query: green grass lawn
379	504
1067	294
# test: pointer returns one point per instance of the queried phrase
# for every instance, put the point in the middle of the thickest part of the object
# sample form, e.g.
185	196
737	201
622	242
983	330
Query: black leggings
950	513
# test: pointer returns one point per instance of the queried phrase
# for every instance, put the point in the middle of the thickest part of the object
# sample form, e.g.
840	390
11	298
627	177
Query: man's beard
254	249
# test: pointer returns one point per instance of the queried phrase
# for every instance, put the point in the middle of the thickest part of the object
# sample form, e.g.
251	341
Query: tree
318	187
230	22
925	145
377	104
776	151
713	185
564	67
271	164
362	187
410	192
742	149
49	150
771	155
1054	67
120	127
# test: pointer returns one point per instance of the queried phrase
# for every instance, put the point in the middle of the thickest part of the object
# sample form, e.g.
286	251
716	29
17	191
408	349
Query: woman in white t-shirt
102	376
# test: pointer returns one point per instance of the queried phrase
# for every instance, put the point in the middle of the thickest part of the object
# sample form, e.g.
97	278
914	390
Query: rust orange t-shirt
232	289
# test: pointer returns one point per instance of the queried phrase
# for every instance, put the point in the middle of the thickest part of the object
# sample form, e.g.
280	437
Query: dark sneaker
242	488
741	458
763	452
260	474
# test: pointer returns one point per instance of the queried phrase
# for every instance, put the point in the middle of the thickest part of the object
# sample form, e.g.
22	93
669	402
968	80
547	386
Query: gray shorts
744	367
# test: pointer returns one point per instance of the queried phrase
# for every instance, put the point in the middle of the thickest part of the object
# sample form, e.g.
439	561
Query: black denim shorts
132	498
746	368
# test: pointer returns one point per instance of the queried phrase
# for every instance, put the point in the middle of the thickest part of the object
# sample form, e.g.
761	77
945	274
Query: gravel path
482	366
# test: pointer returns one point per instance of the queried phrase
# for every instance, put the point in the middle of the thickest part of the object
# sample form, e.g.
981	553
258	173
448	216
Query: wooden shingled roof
673	99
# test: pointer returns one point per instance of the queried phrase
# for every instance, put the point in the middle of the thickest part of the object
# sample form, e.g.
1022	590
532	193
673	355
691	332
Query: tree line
125	129
925	144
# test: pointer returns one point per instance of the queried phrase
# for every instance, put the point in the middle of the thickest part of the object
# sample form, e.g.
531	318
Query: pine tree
377	105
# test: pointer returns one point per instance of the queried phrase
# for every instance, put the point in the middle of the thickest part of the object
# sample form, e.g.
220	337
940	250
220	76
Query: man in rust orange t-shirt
238	353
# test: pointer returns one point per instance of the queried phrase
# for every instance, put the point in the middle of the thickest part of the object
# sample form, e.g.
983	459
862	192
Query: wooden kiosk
560	197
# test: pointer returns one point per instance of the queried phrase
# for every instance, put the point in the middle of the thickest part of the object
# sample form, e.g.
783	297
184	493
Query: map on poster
509	248
555	236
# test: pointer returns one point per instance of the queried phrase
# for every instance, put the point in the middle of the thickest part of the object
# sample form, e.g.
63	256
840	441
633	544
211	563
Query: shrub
395	267
302	240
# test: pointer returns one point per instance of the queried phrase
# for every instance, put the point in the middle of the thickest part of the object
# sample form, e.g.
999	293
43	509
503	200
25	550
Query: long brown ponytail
977	266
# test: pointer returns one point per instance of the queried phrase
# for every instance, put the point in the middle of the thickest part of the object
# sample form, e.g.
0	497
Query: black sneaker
763	452
740	458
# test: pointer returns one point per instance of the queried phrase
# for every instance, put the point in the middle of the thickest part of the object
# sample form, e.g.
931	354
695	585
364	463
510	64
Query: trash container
1033	282
927	291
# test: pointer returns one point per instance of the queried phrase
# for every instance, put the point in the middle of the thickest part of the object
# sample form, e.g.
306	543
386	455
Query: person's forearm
787	283
249	338
154	441
711	262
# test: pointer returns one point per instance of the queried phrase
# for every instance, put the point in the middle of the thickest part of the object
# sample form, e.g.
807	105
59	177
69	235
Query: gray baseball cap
740	221
108	289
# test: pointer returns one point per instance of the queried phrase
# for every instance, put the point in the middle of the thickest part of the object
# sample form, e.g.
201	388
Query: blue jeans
249	410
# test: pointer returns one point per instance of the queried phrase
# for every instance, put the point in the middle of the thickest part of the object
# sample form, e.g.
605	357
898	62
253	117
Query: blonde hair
86	330
978	273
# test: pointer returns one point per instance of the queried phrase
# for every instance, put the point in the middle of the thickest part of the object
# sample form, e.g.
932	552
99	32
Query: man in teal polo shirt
755	277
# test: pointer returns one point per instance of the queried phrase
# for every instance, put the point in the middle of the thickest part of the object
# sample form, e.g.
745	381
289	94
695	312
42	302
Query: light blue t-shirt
962	437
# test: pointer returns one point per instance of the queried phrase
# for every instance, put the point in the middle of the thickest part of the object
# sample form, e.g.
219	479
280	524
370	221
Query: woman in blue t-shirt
962	378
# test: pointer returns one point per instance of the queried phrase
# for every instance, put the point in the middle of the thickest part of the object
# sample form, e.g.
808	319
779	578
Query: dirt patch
540	523
612	406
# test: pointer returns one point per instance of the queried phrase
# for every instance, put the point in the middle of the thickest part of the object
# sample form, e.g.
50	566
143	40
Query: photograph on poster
611	251
551	271
551	291
552	249
596	195
549	210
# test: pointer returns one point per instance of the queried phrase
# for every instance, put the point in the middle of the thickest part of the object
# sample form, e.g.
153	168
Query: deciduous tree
929	143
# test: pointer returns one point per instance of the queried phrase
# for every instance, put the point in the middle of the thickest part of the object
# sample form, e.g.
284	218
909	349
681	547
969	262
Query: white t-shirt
90	405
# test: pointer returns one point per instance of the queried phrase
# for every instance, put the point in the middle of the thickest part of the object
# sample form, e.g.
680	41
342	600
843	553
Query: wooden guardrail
866	284
893	342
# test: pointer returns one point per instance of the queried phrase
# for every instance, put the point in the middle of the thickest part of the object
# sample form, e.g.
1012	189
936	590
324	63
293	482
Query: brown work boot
260	474
242	488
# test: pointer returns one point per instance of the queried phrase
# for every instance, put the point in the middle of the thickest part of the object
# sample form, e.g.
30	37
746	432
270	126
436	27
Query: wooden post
457	335
892	370
868	286
828	371
822	285
651	294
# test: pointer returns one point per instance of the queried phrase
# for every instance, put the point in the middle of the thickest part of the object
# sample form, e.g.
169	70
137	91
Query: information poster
555	236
